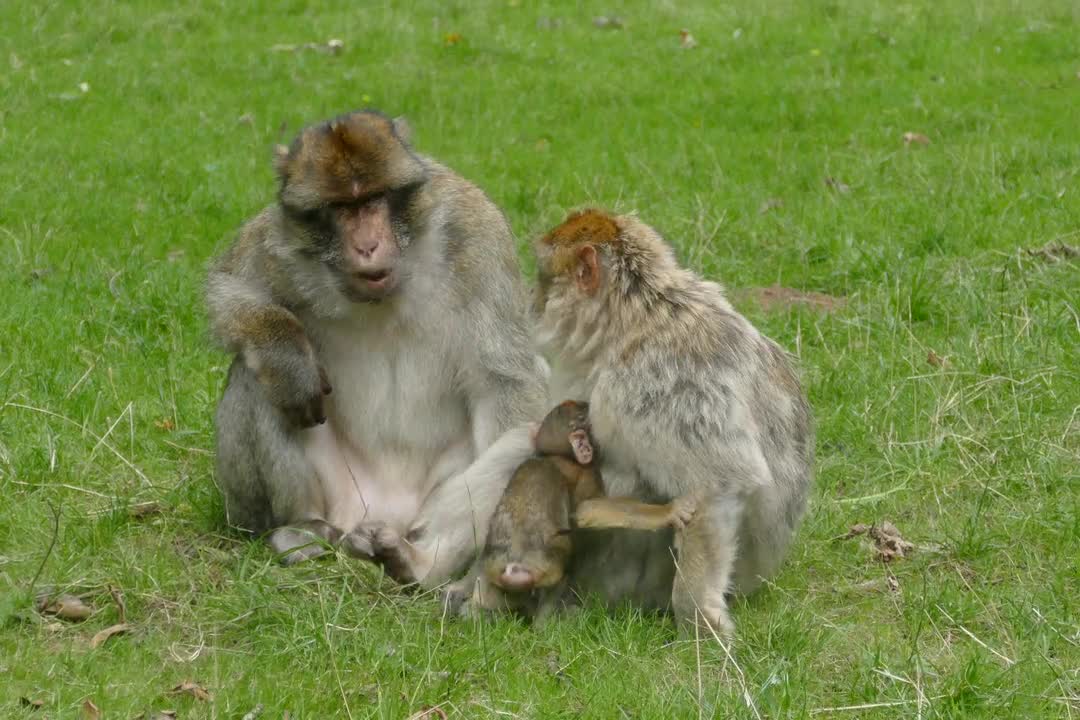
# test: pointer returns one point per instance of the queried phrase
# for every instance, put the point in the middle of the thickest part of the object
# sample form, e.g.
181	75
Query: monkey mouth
372	283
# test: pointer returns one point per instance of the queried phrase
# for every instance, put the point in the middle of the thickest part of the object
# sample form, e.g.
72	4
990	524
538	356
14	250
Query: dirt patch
778	297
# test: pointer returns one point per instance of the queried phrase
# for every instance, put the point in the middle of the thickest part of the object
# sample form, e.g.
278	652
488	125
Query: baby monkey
552	494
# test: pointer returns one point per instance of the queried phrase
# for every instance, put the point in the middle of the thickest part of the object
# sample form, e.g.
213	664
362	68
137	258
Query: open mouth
376	276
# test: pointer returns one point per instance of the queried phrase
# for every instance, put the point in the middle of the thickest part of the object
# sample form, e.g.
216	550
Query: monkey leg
452	524
267	481
630	513
707	549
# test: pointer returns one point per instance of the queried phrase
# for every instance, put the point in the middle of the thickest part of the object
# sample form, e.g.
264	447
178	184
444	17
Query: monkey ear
281	160
402	129
587	272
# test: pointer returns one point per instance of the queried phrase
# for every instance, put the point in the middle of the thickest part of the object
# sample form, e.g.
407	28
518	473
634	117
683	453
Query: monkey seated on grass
557	491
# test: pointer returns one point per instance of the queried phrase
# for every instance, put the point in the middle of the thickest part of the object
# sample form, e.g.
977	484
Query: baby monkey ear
587	272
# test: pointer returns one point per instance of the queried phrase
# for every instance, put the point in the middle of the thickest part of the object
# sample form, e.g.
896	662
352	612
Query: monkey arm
623	512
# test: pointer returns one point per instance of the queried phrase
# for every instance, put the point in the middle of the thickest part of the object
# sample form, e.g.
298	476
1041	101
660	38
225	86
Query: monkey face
346	190
565	432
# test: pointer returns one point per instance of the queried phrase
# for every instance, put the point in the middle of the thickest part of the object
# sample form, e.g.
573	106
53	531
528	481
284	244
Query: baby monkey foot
682	511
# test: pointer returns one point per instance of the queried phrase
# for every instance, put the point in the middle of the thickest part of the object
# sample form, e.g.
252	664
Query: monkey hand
682	511
296	384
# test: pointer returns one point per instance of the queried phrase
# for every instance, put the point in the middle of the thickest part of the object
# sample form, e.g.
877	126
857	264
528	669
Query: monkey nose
516	576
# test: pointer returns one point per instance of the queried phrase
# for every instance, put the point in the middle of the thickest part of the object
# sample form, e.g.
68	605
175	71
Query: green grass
113	199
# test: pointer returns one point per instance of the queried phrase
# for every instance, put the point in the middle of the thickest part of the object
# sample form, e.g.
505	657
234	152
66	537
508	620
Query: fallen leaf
779	297
1055	252
607	22
165	424
915	138
888	541
90	711
770	204
429	713
65	607
157	715
189	687
936	360
254	713
118	598
452	38
34	704
145	509
838	185
686	40
100	638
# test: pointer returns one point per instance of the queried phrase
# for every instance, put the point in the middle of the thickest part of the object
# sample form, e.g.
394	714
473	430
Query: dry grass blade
100	638
429	713
118	598
90	711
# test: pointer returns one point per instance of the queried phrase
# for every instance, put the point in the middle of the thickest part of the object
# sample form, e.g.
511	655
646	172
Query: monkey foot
682	511
303	542
385	547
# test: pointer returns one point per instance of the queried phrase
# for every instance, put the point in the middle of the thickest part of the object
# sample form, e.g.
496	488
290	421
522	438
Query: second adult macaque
559	490
685	397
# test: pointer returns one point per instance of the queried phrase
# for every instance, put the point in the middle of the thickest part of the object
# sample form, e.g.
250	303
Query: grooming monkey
685	397
529	544
384	375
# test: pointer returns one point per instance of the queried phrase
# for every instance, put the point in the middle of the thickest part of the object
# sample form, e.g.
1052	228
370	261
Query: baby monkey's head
528	544
565	432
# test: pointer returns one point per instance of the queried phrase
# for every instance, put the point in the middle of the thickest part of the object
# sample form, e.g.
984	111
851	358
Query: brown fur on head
565	432
354	156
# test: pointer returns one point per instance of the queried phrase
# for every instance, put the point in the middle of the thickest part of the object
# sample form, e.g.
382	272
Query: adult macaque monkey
686	398
384	374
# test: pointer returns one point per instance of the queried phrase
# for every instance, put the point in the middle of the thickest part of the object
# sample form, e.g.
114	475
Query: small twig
52	543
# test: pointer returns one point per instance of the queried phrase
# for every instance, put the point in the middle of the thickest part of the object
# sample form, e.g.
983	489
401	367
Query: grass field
946	388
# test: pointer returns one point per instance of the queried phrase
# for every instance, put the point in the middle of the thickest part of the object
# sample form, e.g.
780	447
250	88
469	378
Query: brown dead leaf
777	297
453	38
90	711
165	424
65	607
608	22
937	360
1055	252
838	185
887	541
34	704
100	638
686	40
914	138
189	687
429	713
770	204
